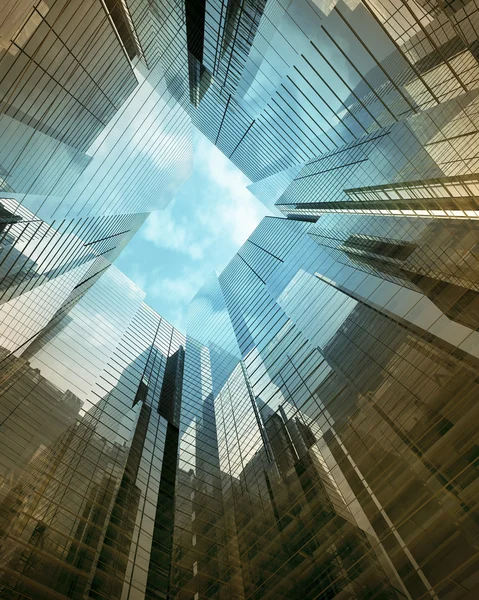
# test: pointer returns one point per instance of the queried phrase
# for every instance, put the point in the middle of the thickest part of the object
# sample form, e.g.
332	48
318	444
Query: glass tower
92	141
313	433
343	390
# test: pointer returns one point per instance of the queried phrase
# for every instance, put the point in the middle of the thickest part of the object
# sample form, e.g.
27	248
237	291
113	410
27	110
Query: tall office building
87	449
92	142
334	420
313	435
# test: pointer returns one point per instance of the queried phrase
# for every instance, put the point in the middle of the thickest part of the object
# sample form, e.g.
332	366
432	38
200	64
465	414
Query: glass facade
313	434
92	141
84	443
334	422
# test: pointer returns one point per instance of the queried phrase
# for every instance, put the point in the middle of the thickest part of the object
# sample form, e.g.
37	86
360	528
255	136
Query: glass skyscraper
314	432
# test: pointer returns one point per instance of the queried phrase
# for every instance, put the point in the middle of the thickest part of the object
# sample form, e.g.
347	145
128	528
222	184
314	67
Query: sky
199	232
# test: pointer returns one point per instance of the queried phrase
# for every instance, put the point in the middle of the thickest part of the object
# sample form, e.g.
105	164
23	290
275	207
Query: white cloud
223	212
237	221
179	289
175	293
236	212
201	229
166	231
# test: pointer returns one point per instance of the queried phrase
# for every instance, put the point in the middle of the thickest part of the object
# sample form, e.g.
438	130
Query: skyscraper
336	426
79	494
92	142
313	434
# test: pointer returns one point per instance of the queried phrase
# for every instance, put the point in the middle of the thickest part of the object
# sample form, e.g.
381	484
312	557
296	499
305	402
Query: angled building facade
313	435
86	449
336	429
92	142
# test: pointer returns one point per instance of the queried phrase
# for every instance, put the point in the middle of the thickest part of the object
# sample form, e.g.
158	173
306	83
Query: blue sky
177	248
